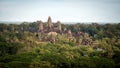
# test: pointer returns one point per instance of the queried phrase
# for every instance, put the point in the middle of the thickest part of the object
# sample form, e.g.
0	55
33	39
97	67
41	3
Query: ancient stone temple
65	30
49	23
49	27
69	35
49	32
78	35
59	26
40	26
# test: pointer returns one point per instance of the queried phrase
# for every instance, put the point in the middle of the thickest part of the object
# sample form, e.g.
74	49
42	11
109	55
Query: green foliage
103	62
71	43
2	39
16	64
42	64
19	47
9	48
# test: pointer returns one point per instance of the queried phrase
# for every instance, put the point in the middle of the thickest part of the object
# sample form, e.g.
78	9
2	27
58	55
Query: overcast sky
63	10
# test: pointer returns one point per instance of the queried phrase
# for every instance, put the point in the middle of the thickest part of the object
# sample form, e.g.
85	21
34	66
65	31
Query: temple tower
59	26
49	23
40	26
69	35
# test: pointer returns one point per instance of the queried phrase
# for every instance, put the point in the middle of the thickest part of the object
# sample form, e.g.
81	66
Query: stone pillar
69	35
59	26
49	23
40	26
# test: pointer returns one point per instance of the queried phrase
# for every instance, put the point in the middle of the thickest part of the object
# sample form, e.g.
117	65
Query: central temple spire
49	22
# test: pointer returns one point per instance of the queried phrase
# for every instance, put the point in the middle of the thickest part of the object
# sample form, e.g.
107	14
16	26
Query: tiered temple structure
49	31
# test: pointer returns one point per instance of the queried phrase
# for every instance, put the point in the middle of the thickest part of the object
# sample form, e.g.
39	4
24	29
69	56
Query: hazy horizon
63	10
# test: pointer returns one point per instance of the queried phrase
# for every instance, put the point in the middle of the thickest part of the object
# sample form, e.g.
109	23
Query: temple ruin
50	30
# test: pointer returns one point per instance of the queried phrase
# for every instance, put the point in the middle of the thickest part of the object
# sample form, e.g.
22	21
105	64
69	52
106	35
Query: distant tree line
21	48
